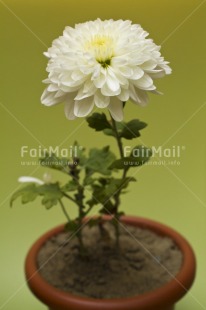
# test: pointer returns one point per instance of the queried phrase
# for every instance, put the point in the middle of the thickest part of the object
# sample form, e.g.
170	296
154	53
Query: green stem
80	217
117	195
119	142
121	151
64	210
69	197
80	204
116	226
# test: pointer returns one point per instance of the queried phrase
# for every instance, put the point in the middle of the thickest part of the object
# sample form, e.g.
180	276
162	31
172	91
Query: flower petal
119	61
100	100
124	95
77	75
112	82
148	65
137	73
145	83
69	107
156	74
142	96
133	94
87	90
100	80
126	71
81	94
49	99
59	93
52	88
83	107
27	179
106	91
116	109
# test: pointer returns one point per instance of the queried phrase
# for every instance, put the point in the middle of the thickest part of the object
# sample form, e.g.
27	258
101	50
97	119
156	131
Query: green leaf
70	186
98	121
120	163
89	180
51	194
117	184
132	128
53	162
106	189
27	193
100	160
99	196
128	130
110	131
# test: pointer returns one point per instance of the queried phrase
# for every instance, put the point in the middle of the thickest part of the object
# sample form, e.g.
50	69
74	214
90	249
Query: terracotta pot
162	298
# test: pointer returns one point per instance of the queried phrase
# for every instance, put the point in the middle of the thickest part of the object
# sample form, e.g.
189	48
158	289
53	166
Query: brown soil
143	262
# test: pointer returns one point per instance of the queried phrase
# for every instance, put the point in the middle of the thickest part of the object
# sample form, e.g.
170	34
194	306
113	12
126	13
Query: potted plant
107	260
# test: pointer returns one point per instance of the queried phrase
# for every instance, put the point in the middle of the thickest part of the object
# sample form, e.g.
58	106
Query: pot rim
170	293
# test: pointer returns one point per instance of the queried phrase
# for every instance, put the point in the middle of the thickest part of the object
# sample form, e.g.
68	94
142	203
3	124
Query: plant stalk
119	142
117	194
64	210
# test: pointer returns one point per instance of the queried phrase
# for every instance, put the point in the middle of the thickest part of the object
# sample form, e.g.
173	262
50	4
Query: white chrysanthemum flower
102	63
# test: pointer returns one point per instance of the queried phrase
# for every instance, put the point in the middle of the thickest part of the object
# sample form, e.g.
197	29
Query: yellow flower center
102	47
98	41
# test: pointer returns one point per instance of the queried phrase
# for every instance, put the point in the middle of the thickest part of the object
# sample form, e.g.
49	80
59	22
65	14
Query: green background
173	194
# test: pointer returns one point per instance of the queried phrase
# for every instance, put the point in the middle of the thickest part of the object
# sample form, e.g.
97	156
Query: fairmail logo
172	152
